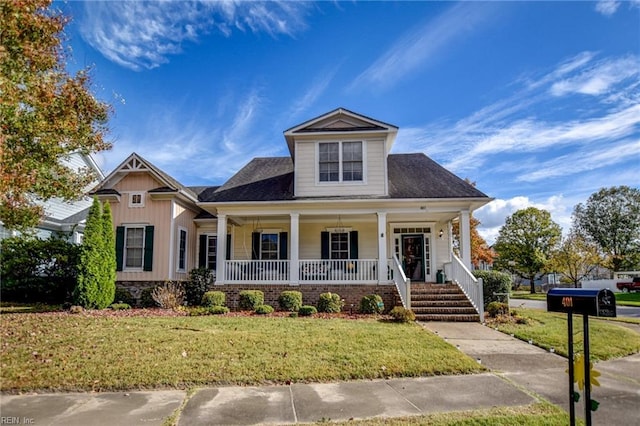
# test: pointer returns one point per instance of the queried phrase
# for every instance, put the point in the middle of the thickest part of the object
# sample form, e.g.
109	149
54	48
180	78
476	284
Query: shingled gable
135	163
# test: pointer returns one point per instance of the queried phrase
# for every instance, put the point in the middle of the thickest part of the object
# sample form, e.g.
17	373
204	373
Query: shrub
195	288
497	308
371	304
307	310
169	296
290	301
213	298
75	309
264	309
218	310
123	295
250	299
146	298
494	282
120	306
35	270
212	310
400	314
330	302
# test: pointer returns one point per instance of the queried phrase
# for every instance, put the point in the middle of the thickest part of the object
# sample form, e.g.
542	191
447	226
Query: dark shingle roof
410	176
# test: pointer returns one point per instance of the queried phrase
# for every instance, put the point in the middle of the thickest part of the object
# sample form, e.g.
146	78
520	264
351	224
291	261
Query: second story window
136	199
340	162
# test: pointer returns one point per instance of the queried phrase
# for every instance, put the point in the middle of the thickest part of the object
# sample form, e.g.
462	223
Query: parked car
627	286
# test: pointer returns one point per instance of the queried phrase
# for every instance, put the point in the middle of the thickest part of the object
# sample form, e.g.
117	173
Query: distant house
339	214
66	219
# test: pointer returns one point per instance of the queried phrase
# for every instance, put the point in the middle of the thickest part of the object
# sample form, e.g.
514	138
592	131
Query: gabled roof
134	164
411	176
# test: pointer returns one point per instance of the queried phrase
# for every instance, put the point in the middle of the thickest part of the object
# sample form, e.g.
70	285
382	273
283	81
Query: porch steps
441	302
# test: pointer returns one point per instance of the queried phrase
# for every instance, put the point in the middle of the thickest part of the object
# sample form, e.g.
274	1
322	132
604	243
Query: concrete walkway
519	373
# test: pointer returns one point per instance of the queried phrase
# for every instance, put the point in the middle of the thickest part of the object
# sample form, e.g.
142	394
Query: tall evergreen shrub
109	247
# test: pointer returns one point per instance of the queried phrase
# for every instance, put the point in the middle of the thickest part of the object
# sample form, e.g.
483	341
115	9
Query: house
66	218
339	214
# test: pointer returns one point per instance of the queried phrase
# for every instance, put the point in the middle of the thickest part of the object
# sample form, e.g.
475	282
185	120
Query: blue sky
537	102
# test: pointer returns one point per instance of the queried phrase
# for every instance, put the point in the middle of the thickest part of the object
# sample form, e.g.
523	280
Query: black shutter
228	246
283	246
119	247
255	245
202	253
353	248
148	248
324	245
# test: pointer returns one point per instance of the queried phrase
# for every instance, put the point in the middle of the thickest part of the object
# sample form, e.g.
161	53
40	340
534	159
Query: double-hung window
340	161
134	247
339	248
212	247
269	246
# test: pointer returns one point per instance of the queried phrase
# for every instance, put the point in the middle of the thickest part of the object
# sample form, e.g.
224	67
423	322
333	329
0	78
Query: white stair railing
472	287
403	284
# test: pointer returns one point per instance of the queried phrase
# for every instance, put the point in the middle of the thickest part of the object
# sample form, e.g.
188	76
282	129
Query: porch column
294	269
465	238
221	249
382	247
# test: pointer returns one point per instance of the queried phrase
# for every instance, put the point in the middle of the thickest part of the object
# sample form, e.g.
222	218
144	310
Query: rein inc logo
16	420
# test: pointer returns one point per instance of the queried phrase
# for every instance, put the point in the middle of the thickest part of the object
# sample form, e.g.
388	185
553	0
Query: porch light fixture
441	233
339	228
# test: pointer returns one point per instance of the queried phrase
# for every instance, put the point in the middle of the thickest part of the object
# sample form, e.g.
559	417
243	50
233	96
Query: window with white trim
339	245
133	247
136	199
269	246
340	161
182	249
212	248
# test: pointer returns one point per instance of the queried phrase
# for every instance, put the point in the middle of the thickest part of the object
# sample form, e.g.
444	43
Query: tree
525	241
109	248
575	258
480	250
95	287
45	113
611	218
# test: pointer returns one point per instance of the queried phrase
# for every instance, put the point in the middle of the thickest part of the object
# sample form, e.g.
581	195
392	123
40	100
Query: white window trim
134	205
340	162
186	249
126	268
206	251
340	231
275	232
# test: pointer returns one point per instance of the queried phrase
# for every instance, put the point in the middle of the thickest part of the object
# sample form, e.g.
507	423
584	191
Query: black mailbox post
594	302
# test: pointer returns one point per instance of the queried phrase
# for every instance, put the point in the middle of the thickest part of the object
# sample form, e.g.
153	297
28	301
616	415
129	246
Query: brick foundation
310	292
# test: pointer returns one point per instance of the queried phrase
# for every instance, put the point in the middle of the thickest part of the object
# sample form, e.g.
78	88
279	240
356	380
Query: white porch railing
338	271
403	284
265	271
468	283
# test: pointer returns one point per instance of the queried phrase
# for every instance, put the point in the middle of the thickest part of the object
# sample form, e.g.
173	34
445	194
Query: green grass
622	299
62	351
540	414
549	330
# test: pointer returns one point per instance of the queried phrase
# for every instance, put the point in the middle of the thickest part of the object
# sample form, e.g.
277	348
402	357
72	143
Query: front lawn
62	351
549	330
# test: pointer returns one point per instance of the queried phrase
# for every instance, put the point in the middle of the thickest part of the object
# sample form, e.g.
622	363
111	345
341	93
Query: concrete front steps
441	302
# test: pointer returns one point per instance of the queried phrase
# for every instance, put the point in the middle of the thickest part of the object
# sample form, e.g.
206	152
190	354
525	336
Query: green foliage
264	309
120	306
146	298
168	296
210	310
199	281
575	258
401	314
95	288
307	311
109	279
249	300
290	301
213	298
497	308
35	270
122	295
45	114
525	243
611	218
494	282
330	302
371	304
218	310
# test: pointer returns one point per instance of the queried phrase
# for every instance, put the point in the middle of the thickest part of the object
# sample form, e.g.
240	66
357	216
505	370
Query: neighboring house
339	214
66	218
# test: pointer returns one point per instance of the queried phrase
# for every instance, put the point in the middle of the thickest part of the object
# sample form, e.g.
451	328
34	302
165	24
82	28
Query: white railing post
471	286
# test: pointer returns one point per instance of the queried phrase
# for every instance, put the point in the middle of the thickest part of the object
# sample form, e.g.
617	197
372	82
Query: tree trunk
533	284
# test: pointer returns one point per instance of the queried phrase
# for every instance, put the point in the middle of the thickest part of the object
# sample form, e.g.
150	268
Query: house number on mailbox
567	302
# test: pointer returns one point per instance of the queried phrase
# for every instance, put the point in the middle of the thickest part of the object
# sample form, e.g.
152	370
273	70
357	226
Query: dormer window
340	162
136	199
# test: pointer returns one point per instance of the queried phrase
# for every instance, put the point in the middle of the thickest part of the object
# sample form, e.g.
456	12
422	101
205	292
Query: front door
413	256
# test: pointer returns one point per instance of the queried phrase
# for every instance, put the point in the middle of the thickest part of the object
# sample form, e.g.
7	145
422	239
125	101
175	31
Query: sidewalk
519	371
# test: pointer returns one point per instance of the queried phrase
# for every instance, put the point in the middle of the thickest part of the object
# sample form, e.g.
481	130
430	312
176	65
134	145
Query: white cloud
143	34
423	44
600	78
607	7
